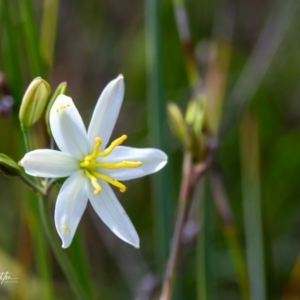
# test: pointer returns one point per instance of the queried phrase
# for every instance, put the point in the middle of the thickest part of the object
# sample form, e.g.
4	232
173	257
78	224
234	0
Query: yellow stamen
123	164
98	143
112	146
90	165
114	182
94	182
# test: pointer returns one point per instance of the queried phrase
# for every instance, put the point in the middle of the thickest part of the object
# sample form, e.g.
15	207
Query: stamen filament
94	182
123	164
114	182
112	146
95	153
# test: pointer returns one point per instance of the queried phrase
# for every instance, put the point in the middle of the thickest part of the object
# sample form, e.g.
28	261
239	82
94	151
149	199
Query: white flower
90	166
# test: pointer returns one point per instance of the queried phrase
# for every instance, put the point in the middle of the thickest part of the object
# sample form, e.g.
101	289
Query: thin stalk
78	255
191	175
60	255
230	231
40	241
80	280
32	185
42	250
252	207
42	216
156	111
204	248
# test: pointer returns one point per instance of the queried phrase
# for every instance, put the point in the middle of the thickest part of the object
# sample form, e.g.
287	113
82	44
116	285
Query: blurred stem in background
182	23
258	63
191	174
219	54
48	32
11	52
156	118
252	206
205	247
230	231
31	39
216	79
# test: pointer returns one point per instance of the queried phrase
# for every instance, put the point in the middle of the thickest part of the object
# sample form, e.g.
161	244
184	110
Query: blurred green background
248	55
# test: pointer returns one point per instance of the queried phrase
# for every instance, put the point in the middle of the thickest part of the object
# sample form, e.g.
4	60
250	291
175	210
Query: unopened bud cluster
190	129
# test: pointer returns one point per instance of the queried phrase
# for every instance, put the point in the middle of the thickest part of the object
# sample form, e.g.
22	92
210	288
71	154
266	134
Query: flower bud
34	102
8	166
61	89
176	121
195	114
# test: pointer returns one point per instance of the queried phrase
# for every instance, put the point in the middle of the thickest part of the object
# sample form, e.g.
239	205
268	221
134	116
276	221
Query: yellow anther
112	146
94	182
114	182
62	107
123	164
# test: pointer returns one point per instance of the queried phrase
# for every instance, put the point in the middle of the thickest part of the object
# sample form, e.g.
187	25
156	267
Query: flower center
91	165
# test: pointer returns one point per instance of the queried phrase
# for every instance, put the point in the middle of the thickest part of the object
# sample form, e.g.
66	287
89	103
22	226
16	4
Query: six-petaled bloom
90	166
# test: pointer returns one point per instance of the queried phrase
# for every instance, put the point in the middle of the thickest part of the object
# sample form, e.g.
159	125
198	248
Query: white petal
152	161
109	209
106	112
49	163
70	205
67	127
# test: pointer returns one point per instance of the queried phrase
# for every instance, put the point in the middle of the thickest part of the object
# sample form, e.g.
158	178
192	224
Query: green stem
31	184
43	216
42	250
11	63
60	255
230	231
186	191
78	255
204	253
27	139
253	222
156	107
191	175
